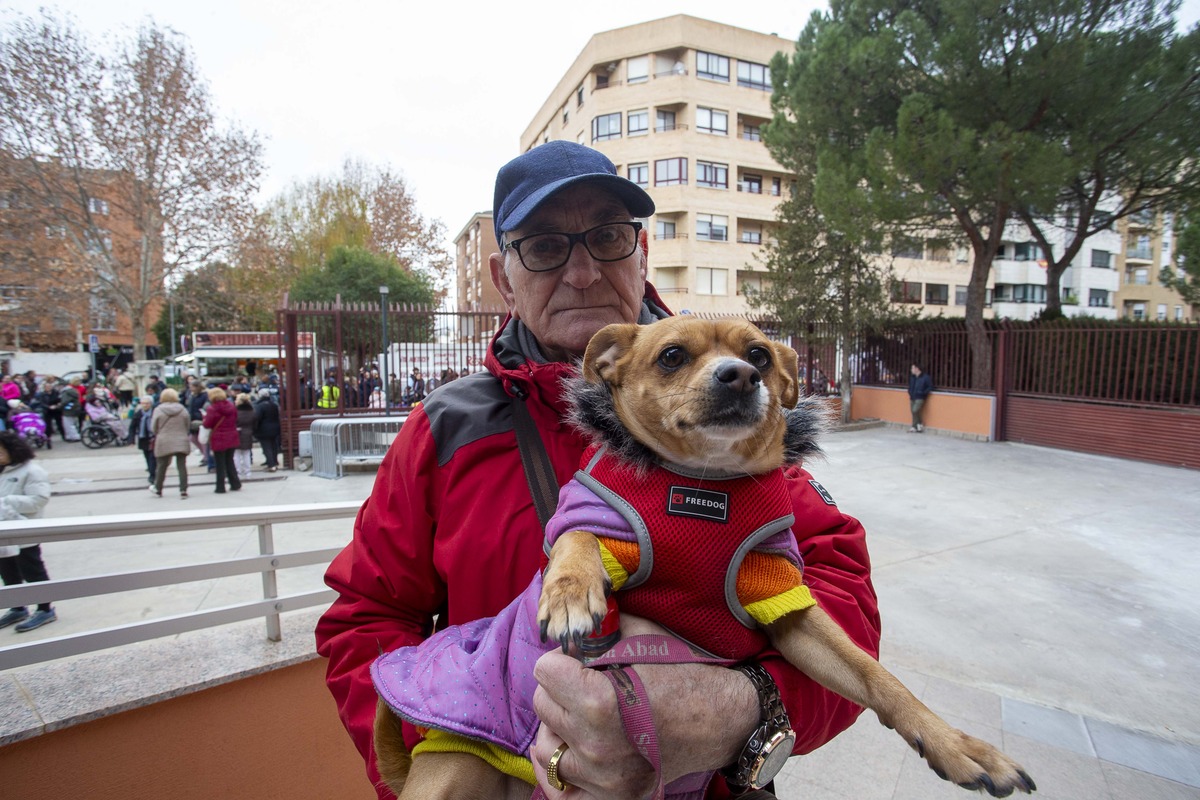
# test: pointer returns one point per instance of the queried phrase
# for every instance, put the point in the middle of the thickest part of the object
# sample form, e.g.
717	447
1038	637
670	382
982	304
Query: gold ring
552	768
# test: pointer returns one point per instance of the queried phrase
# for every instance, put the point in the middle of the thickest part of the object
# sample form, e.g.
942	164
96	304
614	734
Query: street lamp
383	371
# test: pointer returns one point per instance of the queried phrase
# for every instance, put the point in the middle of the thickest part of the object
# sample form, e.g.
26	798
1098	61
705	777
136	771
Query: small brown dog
712	397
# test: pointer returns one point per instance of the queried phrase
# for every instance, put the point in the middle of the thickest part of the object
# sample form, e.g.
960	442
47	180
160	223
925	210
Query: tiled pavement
1078	654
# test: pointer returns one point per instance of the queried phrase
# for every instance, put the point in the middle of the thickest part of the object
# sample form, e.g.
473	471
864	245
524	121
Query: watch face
775	754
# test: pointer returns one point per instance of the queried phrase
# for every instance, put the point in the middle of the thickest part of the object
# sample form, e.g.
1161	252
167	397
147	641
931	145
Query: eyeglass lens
546	251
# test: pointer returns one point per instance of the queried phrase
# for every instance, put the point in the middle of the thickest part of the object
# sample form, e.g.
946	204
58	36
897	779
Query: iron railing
1150	364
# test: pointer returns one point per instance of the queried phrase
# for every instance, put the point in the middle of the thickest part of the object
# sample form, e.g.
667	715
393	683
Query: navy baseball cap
529	179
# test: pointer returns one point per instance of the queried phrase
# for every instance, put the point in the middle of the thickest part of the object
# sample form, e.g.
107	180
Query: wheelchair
96	435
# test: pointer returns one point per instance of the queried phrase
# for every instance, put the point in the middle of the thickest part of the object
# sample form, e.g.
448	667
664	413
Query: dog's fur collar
591	411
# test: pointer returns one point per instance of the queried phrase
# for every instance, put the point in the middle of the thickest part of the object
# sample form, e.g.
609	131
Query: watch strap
772	717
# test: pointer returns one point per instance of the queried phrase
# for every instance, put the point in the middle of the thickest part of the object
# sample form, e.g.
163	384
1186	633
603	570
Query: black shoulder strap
539	472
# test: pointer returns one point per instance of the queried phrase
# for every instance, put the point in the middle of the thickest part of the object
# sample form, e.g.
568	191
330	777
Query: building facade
51	259
472	247
1147	254
678	105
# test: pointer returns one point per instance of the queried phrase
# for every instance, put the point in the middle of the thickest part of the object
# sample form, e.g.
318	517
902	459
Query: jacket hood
171	409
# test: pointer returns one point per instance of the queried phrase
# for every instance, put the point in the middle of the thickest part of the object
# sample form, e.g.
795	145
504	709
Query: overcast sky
438	90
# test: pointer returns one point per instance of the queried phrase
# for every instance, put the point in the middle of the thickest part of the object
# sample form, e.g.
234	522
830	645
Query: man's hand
703	715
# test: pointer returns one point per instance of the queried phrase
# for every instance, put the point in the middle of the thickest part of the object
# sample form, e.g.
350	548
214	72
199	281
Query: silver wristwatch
769	746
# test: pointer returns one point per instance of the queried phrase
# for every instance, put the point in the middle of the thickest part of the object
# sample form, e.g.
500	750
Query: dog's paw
971	763
571	607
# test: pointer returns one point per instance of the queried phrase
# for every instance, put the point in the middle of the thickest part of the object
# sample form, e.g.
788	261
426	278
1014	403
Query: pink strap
632	700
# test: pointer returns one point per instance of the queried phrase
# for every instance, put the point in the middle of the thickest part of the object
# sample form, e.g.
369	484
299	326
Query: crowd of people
221	421
365	388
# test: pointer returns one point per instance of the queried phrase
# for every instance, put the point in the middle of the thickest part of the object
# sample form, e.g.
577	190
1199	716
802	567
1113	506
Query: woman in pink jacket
221	419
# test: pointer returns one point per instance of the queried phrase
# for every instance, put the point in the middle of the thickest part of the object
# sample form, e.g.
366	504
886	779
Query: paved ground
1039	598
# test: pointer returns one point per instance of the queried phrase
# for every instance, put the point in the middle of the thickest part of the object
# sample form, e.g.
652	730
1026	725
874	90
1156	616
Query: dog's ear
604	349
789	374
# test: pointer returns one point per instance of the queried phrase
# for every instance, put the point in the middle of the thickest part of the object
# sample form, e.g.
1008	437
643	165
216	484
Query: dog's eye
672	358
758	357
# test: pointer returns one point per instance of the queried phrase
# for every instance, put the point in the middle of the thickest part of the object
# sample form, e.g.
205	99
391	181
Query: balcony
1142	253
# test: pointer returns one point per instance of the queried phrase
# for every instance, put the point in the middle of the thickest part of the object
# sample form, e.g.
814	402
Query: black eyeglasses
543	252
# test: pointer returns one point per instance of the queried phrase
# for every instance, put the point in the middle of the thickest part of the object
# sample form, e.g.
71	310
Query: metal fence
369	345
1148	364
351	440
267	563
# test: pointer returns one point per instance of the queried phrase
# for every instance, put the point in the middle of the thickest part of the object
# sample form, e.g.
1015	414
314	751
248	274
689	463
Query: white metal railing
267	562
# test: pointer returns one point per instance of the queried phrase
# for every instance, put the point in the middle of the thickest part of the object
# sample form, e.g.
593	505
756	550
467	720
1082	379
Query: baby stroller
31	427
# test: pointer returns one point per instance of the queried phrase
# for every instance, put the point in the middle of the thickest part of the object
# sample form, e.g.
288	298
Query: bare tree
366	207
125	156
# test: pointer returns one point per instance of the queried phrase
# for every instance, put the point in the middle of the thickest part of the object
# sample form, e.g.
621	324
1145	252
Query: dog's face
701	393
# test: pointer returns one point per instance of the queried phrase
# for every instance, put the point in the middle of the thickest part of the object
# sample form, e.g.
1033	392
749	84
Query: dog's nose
739	376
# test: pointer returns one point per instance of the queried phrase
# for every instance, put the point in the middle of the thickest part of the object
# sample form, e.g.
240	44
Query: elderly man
452	526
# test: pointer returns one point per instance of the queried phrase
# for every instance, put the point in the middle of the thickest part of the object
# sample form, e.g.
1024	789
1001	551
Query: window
712	228
1178	313
712	281
665	121
749	283
637	70
1098	298
566	116
908	249
103	315
56	232
1101	259
606	126
1138	277
1137	311
776	187
99	242
670	172
752	133
664	230
711	121
1161	314
714	176
1025	251
579	96
640	174
639	122
906	292
751	234
1138	247
712	66
960	295
754	76
1028	293
937	294
751	184
97	206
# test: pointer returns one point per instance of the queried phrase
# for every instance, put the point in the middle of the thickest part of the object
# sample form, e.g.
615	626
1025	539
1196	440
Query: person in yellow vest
330	394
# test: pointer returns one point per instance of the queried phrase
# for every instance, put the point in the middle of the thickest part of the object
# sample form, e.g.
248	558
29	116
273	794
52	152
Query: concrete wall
273	735
968	415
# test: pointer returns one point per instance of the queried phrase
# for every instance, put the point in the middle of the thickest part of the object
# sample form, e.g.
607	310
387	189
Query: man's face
563	308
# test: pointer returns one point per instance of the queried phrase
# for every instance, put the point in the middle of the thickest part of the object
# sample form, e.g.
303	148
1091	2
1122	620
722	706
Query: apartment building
1146	255
678	105
49	297
472	246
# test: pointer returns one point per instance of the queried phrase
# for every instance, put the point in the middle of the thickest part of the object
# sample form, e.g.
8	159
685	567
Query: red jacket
222	418
451	507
